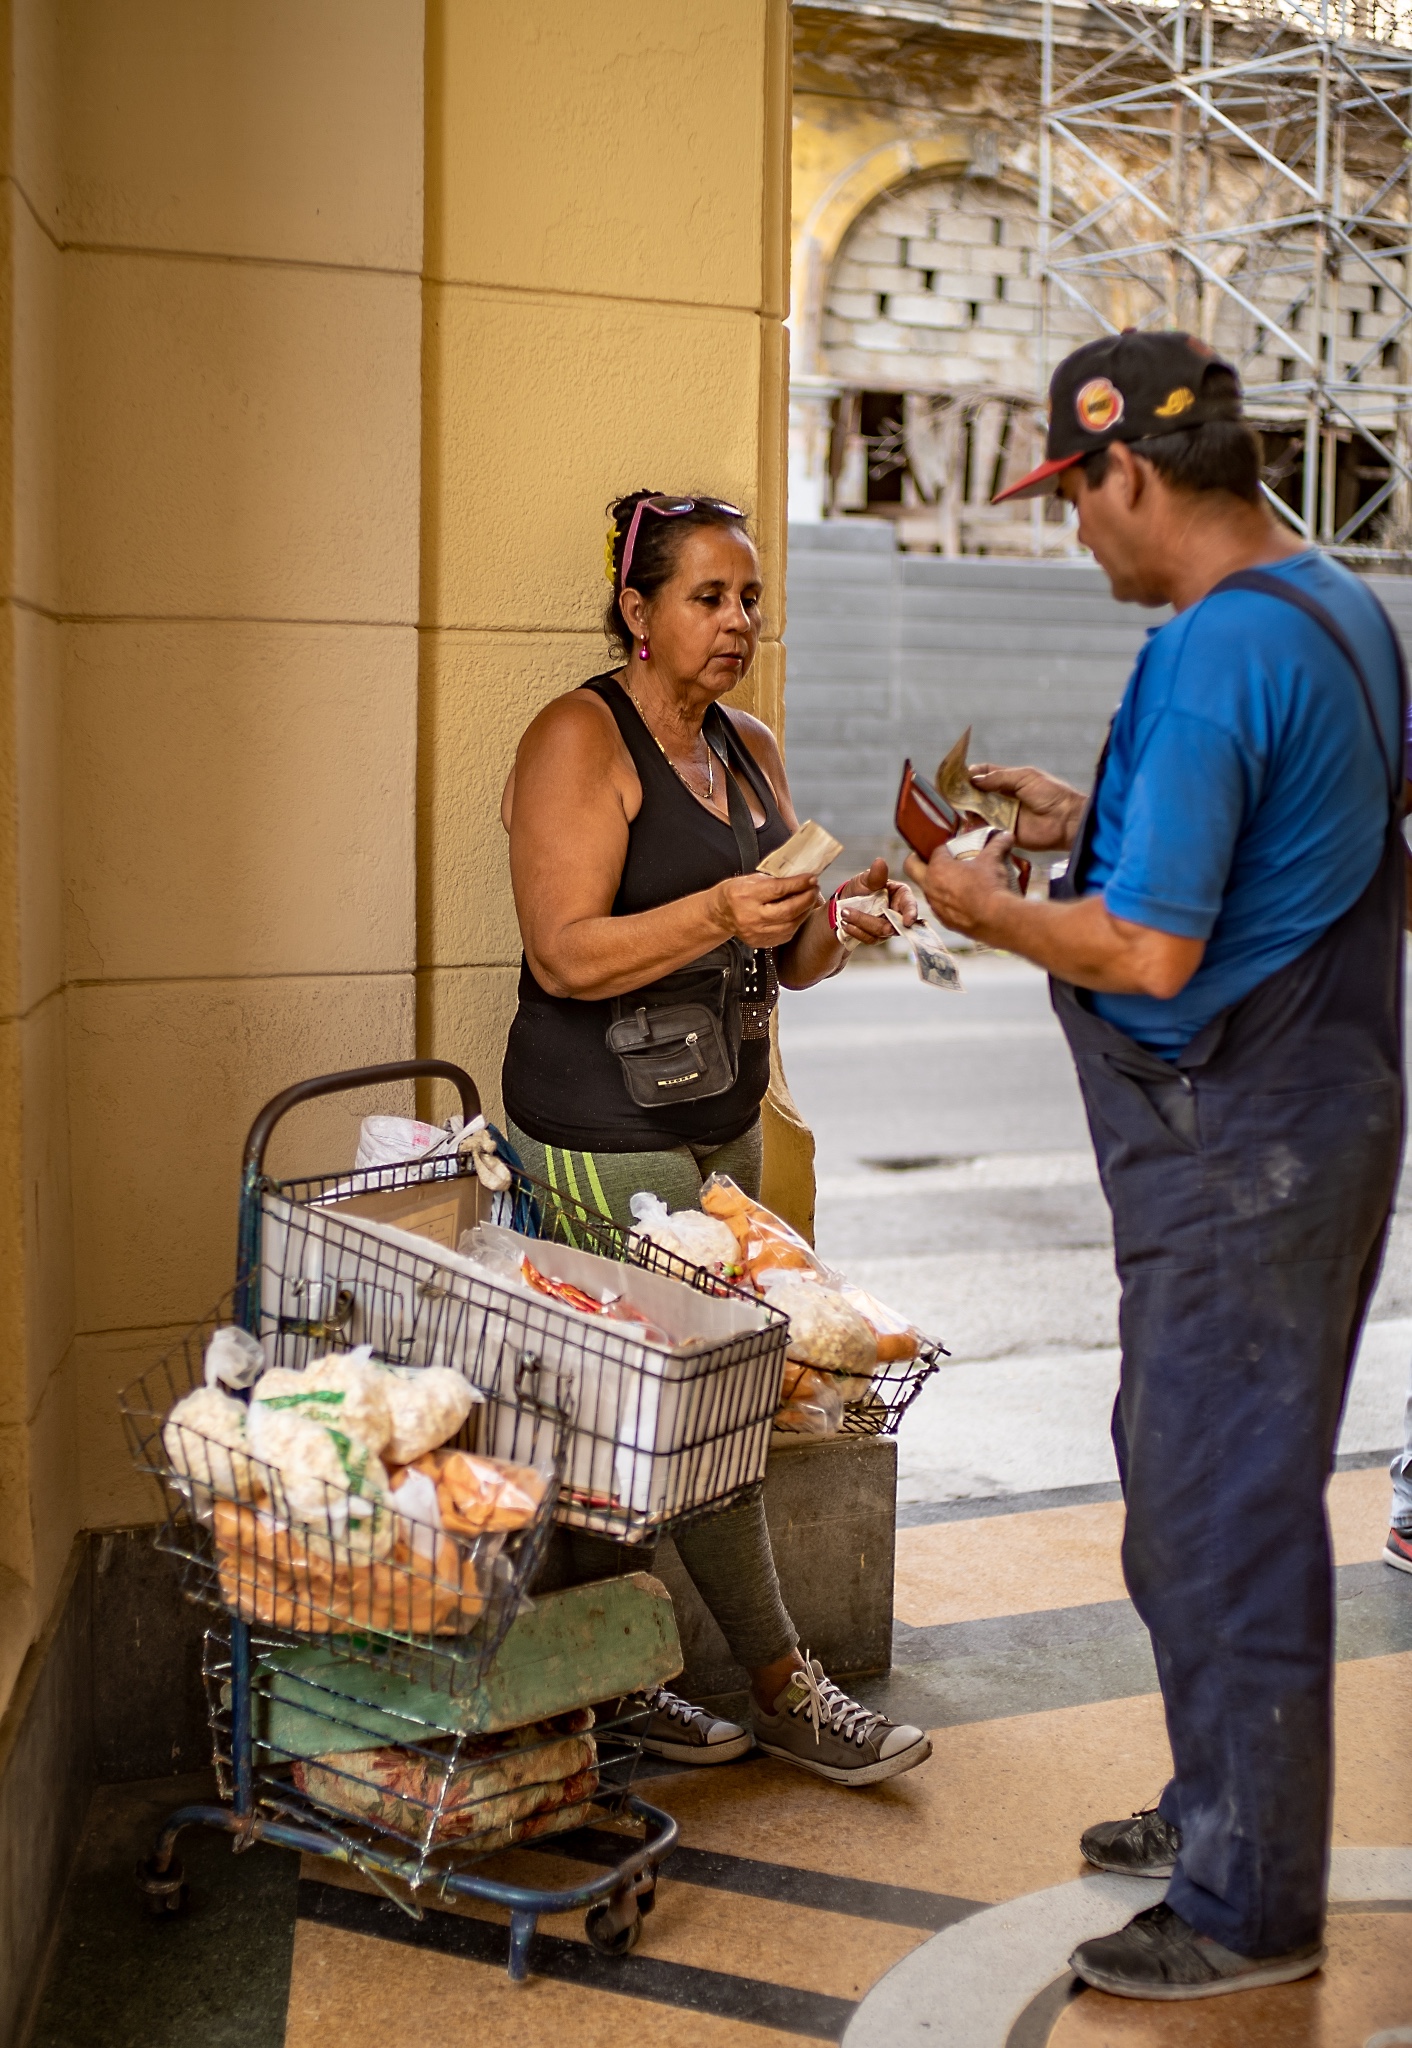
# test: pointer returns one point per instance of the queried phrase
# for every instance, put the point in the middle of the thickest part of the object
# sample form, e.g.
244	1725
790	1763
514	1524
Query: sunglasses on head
665	508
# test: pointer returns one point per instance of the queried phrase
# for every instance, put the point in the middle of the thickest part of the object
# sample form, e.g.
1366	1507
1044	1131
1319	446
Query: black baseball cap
1127	387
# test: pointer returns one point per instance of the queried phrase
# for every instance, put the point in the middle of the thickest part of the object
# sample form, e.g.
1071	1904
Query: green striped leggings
727	1556
607	1181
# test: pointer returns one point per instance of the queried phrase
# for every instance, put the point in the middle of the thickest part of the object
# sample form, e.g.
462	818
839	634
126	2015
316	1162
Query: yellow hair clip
609	571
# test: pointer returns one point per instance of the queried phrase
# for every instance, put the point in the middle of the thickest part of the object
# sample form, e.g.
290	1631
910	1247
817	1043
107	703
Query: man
1224	954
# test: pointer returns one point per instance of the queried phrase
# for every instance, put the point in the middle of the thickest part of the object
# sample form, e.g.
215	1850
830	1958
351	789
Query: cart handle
343	1084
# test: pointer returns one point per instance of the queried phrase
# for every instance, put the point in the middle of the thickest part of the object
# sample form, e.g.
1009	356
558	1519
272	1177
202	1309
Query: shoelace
829	1707
674	1707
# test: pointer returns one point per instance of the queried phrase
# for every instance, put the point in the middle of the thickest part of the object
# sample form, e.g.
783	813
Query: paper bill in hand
806	852
935	966
953	780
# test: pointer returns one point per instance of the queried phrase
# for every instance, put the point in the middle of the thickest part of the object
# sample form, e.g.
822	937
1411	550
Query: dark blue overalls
1250	1181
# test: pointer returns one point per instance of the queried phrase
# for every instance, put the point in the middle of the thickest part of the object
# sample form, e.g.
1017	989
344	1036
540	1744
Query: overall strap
1261	581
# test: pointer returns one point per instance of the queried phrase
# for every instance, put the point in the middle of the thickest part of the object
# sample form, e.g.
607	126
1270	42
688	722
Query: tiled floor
792	1899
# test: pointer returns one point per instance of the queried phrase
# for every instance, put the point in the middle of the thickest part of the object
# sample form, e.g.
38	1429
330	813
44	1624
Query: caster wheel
647	1896
610	1935
166	1895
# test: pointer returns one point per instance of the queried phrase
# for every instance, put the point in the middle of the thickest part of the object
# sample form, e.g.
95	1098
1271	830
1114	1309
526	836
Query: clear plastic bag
691	1234
812	1406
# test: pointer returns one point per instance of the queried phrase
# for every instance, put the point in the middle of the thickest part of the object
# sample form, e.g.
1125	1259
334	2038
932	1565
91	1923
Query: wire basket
552	1213
894	1388
339	1561
659	1435
383	1772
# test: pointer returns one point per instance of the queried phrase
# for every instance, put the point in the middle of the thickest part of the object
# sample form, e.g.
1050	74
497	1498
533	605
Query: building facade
979	188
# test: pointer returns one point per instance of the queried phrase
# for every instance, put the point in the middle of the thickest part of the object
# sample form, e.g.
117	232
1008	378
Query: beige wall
214	220
331	325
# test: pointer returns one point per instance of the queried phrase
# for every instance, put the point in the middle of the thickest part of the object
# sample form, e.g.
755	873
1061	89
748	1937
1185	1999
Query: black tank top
560	1081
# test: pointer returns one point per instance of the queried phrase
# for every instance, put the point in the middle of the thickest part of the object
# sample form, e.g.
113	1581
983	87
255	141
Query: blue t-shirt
1244	801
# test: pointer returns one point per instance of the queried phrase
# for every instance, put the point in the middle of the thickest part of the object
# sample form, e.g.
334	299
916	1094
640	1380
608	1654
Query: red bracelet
833	911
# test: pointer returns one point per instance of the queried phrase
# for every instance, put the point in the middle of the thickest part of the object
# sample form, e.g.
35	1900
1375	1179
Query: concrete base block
831	1507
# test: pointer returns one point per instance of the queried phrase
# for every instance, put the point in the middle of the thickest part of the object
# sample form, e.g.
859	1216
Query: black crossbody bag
678	1040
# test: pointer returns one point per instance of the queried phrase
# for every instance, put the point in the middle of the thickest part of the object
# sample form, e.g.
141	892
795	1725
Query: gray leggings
728	1556
729	1561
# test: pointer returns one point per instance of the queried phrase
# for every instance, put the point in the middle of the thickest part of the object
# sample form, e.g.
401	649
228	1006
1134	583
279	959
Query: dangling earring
642	652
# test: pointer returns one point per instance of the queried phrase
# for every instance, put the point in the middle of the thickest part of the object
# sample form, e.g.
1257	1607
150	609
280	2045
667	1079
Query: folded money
806	852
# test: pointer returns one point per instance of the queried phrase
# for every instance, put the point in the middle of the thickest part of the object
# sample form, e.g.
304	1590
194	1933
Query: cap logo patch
1099	405
1174	403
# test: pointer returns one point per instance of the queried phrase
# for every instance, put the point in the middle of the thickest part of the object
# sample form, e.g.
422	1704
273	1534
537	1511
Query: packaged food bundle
320	1476
206	1442
810	1403
614	1306
475	1495
281	1575
428	1404
825	1332
483	1797
318	1524
835	1328
691	1234
767	1244
345	1391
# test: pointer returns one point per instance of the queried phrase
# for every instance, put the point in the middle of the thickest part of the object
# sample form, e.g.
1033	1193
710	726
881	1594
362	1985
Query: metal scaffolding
1244	172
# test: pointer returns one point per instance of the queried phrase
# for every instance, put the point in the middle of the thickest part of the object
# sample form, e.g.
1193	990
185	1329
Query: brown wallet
923	817
926	821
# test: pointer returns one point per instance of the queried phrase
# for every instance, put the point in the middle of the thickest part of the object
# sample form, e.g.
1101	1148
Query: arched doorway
930	331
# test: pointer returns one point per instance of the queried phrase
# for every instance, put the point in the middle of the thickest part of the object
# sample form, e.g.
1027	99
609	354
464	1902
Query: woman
638	810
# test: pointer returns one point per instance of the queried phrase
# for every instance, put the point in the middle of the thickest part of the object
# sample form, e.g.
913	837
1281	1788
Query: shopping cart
619	1442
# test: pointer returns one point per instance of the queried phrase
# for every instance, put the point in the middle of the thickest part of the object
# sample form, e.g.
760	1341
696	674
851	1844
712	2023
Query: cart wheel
166	1894
609	1931
647	1891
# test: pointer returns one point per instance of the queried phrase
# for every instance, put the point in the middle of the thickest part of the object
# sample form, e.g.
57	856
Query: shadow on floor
217	1976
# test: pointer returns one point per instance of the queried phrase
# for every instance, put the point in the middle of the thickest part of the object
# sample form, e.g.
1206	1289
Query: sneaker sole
700	1752
1399	1564
1157	1870
1279	1970
865	1774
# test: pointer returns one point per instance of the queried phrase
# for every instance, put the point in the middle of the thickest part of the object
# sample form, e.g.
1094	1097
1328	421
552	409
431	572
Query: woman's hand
1049	809
764	910
862	926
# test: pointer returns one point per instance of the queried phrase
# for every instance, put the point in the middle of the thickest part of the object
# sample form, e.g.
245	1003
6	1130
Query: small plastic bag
767	1243
396	1140
813	1404
689	1233
234	1358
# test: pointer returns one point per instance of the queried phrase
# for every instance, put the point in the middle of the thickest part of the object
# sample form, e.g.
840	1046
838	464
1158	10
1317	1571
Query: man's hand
1081	942
963	892
1049	809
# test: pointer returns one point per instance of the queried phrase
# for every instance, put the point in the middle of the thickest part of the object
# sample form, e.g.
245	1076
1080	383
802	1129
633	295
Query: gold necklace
710	769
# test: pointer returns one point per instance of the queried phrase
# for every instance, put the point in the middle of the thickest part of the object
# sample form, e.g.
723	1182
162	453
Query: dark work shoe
1143	1846
1398	1550
1158	1955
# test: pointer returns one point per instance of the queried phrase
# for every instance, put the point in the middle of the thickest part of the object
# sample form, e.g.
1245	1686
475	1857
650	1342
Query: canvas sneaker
1158	1955
1398	1550
687	1734
817	1726
1143	1846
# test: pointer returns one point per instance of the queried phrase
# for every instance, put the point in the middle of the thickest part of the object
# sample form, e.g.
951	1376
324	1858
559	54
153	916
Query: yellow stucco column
606	285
